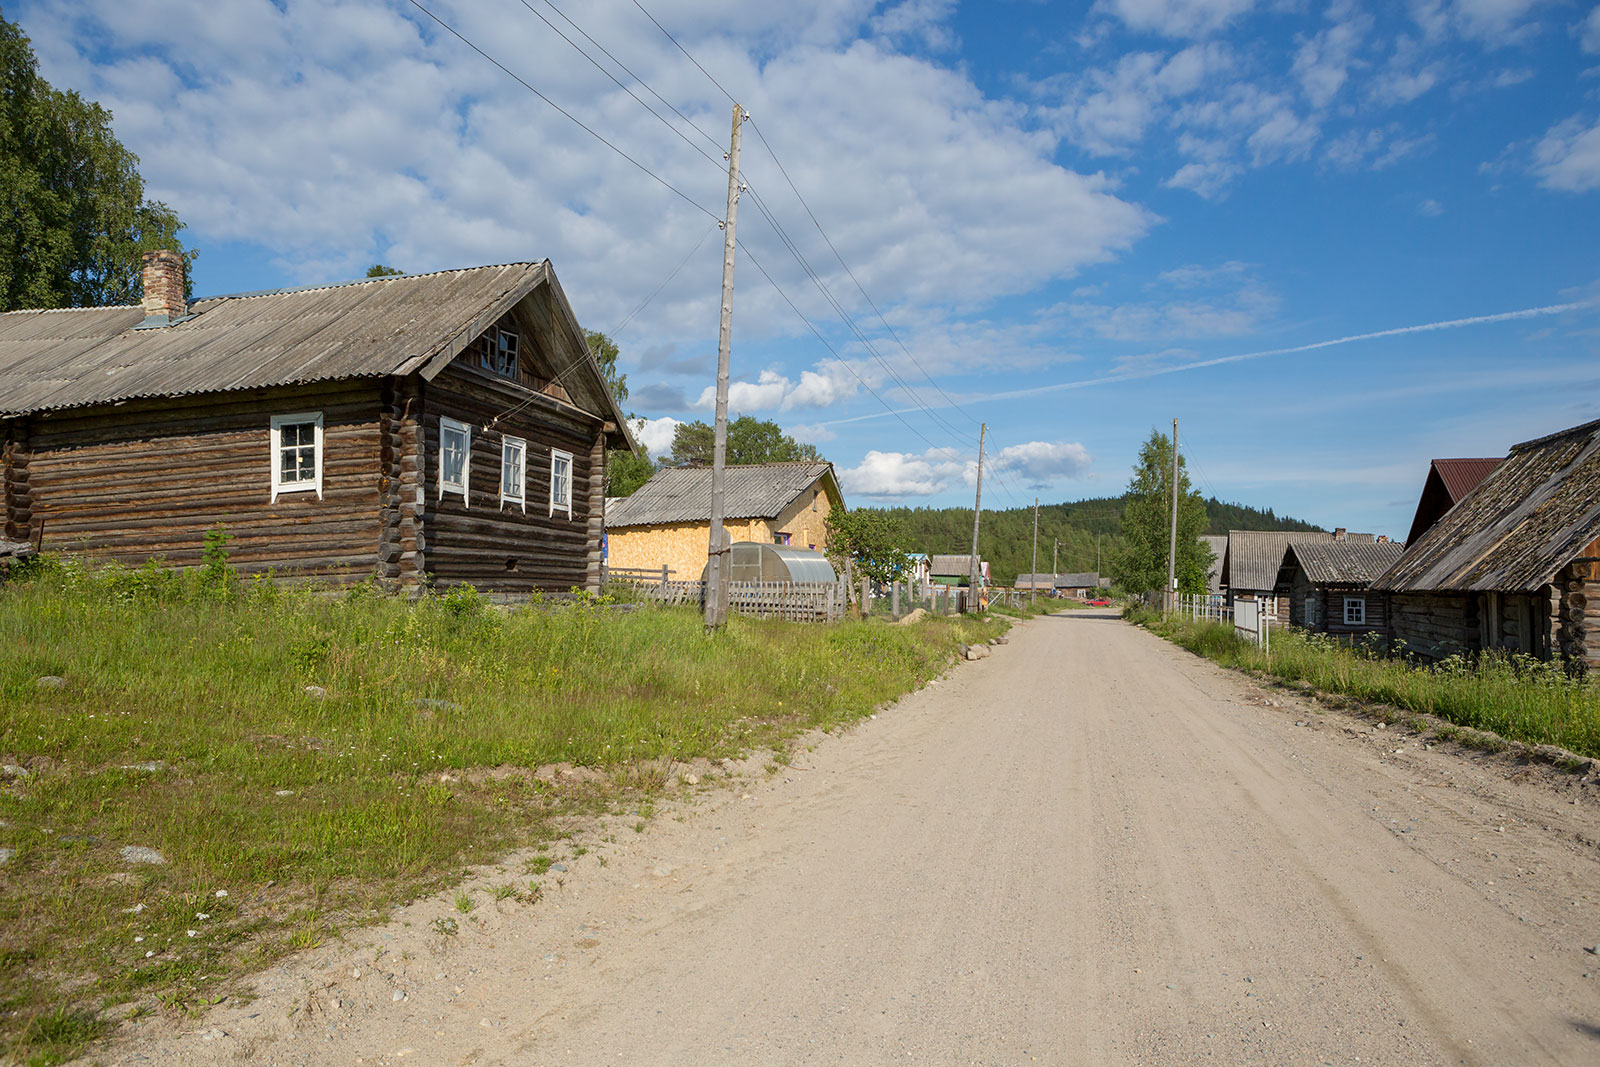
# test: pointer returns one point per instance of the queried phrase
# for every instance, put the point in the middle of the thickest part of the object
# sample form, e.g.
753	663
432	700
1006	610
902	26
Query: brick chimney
163	286
1339	532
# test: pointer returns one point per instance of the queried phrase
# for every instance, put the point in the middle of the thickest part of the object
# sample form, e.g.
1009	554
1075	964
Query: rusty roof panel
1535	513
1461	476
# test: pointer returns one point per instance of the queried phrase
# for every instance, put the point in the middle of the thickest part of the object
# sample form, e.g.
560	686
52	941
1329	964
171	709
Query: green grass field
184	724
1515	696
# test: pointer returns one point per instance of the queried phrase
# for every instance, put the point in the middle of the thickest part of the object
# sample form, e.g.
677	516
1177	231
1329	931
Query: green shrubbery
1511	694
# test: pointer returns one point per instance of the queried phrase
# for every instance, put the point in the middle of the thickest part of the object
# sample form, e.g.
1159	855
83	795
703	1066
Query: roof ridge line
358	281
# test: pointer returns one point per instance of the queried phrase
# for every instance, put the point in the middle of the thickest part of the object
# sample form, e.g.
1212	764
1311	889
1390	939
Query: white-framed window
1311	610
1355	611
560	482
514	472
455	457
297	453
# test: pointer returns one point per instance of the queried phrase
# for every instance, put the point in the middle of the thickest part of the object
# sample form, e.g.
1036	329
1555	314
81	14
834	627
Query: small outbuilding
1329	585
1078	585
956	570
1252	566
759	561
1515	565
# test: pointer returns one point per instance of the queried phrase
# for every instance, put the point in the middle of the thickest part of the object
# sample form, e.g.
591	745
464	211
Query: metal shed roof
950	565
755	491
1515	531
1082	580
1343	562
73	357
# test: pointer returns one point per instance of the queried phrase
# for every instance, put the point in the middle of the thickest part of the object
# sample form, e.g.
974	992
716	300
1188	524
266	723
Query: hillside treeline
1005	537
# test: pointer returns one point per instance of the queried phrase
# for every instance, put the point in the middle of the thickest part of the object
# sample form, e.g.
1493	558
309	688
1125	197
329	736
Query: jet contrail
1154	372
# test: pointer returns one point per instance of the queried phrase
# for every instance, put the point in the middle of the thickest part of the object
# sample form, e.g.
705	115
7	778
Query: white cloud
1175	18
1109	109
1568	156
1042	464
1589	31
1431	208
655	434
1323	61
1494	22
893	475
922	21
829	384
1222	301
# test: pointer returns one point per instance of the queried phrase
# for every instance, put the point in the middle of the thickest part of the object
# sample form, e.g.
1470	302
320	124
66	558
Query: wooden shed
1515	565
1252	566
666	522
428	429
1329	585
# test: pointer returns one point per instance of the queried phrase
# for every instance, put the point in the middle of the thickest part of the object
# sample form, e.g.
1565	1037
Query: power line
685	51
595	63
664	282
564	112
859	287
693	125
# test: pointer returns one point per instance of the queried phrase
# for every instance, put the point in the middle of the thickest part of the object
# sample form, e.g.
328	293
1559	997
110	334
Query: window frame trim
508	441
1355	601
556	453
446	422
275	425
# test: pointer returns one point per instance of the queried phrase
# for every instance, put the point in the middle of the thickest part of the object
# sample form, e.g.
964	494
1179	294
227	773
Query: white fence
1202	606
1250	621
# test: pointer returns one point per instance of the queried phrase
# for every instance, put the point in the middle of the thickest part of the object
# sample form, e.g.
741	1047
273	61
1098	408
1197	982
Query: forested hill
1005	537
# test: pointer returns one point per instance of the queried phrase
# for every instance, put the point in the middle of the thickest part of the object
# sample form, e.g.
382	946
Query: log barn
1515	565
433	429
1329	585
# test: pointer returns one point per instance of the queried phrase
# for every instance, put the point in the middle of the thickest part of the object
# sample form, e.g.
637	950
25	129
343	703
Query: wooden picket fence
796	601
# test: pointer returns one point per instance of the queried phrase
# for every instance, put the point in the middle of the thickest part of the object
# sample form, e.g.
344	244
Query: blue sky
1073	215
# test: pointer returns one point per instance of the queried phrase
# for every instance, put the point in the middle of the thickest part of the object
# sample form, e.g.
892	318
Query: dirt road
1091	848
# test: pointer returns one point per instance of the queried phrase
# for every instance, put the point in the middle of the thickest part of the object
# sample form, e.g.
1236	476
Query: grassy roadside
1516	697
183	723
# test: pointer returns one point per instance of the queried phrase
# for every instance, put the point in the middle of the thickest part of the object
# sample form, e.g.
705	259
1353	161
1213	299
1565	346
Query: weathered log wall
1435	625
501	547
148	478
1577	627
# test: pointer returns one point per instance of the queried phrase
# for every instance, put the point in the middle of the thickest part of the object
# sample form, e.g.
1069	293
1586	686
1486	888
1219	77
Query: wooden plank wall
503	548
148	478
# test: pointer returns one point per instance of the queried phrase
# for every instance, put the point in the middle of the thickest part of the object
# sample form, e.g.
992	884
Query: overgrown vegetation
301	759
1515	696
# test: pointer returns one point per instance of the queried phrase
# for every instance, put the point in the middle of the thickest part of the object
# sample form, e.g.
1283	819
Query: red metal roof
1461	476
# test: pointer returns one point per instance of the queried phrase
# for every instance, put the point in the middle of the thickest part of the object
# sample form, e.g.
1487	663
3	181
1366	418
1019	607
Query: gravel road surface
1090	848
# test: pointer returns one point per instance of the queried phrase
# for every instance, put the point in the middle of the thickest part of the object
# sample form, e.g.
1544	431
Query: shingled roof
1343	562
1513	533
754	491
74	357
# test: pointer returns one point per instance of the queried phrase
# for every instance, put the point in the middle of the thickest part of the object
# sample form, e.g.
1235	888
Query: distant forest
1005	537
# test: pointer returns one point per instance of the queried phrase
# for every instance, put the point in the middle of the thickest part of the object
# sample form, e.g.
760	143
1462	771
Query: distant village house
666	522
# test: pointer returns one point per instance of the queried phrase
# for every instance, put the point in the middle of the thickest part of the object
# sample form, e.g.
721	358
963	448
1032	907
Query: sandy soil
1091	848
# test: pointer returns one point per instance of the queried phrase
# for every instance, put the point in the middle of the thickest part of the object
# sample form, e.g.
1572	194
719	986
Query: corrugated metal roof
73	357
948	566
1343	562
1084	580
755	491
1461	476
1518	528
1034	581
1253	557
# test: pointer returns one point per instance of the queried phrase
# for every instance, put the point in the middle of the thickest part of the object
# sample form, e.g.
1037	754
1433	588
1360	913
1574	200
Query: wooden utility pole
1172	546
977	510
719	549
1054	553
1033	579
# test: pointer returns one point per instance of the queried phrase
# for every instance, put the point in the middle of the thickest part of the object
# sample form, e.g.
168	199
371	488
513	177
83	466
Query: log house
426	430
